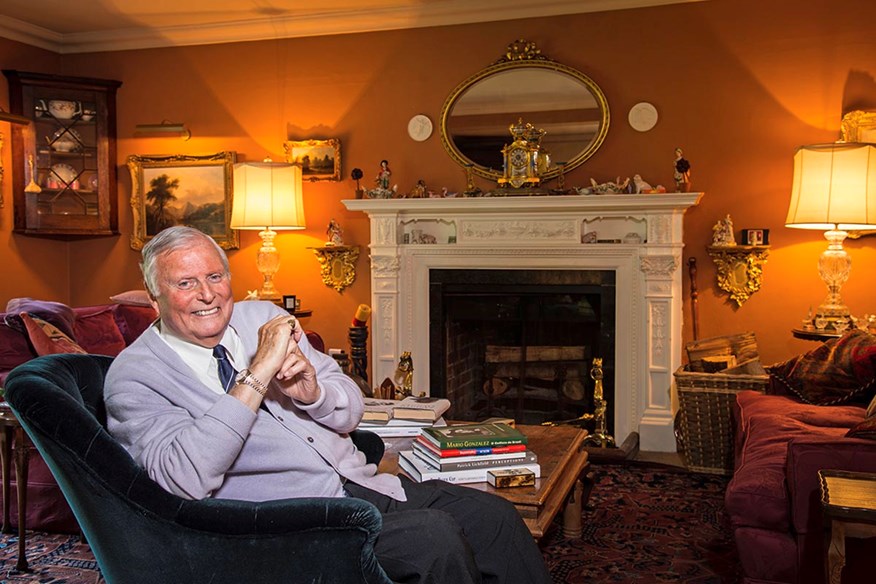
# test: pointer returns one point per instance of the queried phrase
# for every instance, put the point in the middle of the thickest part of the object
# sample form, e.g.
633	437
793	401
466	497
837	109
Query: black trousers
449	534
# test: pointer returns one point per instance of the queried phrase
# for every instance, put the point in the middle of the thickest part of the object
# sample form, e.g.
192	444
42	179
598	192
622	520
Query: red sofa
103	330
773	499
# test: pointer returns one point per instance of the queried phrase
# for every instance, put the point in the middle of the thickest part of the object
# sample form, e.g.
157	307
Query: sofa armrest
806	456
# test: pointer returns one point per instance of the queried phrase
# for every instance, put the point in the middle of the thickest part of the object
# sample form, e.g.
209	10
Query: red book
451	452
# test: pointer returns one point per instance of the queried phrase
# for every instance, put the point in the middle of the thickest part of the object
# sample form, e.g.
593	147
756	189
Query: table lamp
834	190
267	196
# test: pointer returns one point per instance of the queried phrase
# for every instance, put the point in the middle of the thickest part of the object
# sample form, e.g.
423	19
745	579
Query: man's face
194	294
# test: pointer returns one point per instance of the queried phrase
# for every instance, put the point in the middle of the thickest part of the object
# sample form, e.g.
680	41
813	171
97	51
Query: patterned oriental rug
647	524
643	524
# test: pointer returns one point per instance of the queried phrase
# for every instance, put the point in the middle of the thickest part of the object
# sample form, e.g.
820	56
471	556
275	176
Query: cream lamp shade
267	196
834	190
834	187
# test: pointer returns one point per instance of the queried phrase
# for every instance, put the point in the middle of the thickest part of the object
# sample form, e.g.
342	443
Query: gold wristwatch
247	378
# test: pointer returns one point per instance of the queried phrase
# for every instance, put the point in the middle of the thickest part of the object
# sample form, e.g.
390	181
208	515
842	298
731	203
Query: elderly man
228	400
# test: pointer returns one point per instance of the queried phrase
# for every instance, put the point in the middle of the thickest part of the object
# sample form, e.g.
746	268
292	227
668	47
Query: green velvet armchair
140	533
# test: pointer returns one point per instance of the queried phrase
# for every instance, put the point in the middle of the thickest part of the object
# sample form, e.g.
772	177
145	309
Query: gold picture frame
859	126
318	159
178	189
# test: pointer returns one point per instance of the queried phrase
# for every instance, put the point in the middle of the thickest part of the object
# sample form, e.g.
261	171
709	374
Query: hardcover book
419	471
378	410
474	435
421	408
471	462
479	451
393	428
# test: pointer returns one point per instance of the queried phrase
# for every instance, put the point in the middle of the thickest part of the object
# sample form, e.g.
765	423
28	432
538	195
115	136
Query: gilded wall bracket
337	264
740	269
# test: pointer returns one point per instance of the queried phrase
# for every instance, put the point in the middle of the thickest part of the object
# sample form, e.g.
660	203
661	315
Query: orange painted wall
738	85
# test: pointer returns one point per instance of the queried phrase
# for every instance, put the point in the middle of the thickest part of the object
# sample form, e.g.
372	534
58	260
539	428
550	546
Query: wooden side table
814	335
848	500
564	465
12	429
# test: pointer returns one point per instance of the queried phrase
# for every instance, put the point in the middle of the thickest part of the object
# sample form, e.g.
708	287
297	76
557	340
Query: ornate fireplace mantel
637	236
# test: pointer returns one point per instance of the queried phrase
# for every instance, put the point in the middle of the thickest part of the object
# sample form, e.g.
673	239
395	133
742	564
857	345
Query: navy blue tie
227	373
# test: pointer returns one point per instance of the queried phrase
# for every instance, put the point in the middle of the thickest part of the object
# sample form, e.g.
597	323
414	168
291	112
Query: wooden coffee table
563	461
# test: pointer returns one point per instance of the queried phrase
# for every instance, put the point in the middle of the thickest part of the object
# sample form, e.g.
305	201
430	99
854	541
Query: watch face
518	157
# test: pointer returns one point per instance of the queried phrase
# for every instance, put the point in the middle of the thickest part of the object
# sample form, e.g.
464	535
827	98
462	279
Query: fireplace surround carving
542	233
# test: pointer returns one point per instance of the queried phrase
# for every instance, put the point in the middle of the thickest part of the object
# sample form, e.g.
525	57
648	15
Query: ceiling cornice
450	12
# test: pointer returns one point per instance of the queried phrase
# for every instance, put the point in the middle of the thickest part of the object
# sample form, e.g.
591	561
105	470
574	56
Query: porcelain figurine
723	233
335	233
682	172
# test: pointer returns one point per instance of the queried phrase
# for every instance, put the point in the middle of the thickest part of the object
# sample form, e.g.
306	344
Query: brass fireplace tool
600	436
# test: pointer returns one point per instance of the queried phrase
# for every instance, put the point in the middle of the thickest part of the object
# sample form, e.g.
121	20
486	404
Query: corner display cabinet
64	161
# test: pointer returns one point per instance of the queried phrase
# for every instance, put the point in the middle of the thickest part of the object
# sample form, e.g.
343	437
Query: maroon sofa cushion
97	332
759	494
133	320
14	349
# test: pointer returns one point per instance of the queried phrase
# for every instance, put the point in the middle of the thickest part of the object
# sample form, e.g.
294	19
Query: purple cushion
60	315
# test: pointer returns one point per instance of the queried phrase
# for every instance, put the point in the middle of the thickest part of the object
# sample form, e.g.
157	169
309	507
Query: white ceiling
81	26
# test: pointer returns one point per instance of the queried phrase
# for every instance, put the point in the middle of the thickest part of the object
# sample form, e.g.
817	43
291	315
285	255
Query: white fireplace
639	237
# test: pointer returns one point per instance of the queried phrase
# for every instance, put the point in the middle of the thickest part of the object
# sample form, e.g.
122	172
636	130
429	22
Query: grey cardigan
196	443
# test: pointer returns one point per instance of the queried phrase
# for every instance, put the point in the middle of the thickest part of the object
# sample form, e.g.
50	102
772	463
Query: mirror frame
524	55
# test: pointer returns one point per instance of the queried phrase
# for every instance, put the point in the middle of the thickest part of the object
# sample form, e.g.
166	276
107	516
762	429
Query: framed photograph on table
178	189
289	302
318	159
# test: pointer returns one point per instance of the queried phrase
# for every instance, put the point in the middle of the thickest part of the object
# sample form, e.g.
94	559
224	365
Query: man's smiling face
195	300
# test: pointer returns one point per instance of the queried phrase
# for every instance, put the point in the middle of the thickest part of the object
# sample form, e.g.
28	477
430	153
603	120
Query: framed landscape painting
318	159
178	189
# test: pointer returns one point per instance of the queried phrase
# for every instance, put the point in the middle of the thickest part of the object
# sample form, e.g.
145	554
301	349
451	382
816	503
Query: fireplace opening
520	343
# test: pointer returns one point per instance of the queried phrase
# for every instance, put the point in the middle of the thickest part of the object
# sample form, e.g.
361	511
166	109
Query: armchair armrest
806	456
370	444
229	517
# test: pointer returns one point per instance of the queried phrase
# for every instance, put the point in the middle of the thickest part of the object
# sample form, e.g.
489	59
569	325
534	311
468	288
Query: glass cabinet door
64	162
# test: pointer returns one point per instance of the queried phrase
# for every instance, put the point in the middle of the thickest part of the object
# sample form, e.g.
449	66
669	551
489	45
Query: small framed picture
756	236
289	302
318	159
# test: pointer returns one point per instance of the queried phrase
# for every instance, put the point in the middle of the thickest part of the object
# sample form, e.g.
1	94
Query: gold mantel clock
523	159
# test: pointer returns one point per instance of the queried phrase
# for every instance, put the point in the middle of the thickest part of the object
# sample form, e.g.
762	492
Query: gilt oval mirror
524	85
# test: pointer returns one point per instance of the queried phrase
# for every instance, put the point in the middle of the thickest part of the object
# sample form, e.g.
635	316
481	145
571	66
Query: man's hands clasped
278	356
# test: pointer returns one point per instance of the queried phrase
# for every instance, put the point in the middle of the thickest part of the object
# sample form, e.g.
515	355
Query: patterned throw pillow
865	429
839	371
47	339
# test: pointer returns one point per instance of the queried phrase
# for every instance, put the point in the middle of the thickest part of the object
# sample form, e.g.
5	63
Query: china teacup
87	114
63	109
62	144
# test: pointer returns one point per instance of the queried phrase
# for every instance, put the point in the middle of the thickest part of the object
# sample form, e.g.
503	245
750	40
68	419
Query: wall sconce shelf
740	269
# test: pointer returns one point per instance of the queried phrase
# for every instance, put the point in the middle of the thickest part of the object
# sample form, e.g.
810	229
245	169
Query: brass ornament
337	265
740	269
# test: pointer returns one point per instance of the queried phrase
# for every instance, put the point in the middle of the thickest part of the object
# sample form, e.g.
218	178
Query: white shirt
201	359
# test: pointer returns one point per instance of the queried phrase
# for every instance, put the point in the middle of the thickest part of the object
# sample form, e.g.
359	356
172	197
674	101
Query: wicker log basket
704	425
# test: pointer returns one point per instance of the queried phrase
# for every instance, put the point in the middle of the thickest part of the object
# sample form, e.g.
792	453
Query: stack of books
391	418
471	453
